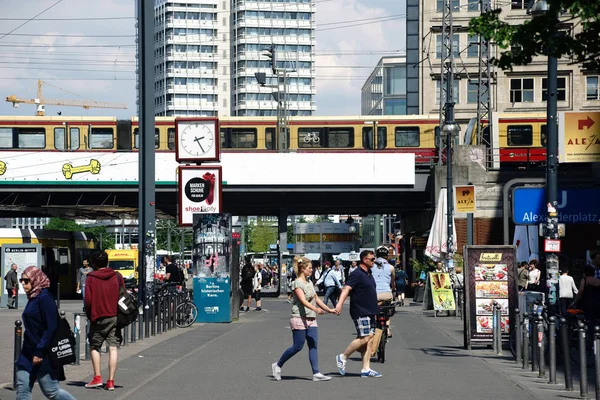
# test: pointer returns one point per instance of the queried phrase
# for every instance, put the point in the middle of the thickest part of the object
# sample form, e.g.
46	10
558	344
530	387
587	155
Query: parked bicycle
186	313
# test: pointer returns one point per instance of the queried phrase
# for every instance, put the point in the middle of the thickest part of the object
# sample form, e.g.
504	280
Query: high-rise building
522	89
207	52
384	92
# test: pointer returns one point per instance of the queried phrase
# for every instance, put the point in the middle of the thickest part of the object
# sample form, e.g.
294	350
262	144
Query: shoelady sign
200	192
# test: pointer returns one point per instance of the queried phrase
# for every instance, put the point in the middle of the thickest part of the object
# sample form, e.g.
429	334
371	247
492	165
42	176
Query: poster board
441	291
23	255
490	275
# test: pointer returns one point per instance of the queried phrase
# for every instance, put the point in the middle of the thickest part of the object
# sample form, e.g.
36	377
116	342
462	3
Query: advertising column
212	267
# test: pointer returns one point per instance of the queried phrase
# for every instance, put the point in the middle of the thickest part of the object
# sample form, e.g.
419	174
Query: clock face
196	140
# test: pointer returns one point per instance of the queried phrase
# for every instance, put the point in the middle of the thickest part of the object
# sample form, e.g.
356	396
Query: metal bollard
499	329
146	320
583	383
76	331
126	336
495	323
552	348
132	332
159	315
525	340
165	304
170	311
17	299
87	340
140	326
58	295
597	358
564	344
518	337
534	348
153	316
540	344
17	349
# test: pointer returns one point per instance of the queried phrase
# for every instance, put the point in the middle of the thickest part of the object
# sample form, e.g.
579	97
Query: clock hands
197	140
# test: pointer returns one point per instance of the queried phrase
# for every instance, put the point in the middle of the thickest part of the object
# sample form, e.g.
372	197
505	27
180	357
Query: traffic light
272	54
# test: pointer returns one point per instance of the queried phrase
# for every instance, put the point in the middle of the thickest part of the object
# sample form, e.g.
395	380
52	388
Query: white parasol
437	242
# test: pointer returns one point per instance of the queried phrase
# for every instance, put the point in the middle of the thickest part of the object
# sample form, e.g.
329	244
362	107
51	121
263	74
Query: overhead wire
29	20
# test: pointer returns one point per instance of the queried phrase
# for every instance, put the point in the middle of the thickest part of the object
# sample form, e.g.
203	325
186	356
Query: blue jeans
49	387
300	336
330	295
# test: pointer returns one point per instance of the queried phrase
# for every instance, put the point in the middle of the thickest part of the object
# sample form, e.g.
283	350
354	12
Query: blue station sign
575	206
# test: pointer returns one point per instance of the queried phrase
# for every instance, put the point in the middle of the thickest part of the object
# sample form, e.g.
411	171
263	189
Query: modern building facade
24	223
384	92
207	52
521	90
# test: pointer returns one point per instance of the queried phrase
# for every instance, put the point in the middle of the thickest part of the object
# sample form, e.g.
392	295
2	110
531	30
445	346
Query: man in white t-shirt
257	284
534	276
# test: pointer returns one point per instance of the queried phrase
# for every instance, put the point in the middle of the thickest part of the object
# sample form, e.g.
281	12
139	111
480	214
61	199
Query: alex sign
579	137
200	192
465	199
575	206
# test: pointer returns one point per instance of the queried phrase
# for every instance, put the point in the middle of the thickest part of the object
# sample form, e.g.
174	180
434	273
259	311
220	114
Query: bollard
17	298
76	331
533	339
597	358
140	325
525	340
170	311
146	320
165	304
17	349
153	316
552	348
126	336
540	345
564	344
132	341
499	329
58	295
87	340
583	383
158	314
495	323
518	337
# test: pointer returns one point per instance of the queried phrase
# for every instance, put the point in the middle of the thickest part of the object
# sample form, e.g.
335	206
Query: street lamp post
451	129
551	229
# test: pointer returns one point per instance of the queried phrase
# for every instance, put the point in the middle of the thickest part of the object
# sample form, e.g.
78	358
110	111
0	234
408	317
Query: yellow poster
579	137
441	291
465	199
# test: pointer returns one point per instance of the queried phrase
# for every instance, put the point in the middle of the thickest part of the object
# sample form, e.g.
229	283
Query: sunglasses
371	259
24	280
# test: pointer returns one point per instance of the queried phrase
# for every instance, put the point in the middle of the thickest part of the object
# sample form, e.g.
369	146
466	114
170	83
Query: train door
67	138
123	135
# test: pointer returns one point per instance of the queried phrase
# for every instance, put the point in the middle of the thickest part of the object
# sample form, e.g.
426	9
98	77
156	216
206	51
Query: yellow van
124	261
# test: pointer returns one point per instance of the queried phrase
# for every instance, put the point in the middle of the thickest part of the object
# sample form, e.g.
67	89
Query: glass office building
384	92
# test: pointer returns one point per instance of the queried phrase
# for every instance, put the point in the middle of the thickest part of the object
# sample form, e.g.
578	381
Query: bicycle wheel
186	314
381	350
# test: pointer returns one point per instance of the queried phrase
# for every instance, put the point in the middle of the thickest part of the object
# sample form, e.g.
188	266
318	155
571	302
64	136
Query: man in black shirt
361	287
172	272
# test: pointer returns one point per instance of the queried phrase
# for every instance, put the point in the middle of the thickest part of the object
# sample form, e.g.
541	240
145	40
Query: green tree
261	237
541	35
99	232
165	227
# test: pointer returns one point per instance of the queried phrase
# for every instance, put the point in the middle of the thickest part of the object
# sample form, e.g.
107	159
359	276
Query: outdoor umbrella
438	236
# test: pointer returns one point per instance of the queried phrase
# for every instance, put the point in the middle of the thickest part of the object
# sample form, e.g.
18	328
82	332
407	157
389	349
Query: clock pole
146	193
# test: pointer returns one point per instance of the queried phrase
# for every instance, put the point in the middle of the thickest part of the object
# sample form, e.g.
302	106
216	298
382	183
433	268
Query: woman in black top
246	284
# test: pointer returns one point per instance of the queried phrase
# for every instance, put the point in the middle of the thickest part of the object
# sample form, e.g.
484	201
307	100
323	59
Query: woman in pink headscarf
40	319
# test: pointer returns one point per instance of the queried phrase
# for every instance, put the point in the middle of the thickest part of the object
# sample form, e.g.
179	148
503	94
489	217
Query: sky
99	64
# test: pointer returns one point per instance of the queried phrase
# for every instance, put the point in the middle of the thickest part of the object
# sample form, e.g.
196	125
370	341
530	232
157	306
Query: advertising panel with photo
490	273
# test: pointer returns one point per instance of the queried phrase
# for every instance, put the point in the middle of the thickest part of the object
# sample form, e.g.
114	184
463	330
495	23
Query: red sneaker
96	382
110	385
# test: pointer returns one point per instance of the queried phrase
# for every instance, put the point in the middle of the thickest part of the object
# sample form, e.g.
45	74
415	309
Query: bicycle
186	314
386	311
312	137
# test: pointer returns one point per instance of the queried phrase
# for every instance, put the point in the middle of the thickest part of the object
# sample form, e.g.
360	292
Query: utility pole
281	74
484	98
147	184
446	65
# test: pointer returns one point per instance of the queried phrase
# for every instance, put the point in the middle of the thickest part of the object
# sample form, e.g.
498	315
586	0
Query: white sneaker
320	377
276	371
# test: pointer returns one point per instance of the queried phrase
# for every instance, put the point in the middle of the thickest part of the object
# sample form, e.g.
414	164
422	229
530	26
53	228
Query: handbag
62	345
127	309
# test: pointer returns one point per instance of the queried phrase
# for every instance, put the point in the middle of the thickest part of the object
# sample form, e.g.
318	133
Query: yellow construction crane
42	102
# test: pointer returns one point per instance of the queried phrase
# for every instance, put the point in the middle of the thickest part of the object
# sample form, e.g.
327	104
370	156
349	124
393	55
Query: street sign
579	137
465	199
200	192
575	206
552	245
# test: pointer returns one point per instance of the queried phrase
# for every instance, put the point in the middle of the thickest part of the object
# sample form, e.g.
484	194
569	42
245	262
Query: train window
310	137
243	138
407	136
223	138
74	133
367	134
520	135
59	138
101	138
340	137
136	138
171	138
270	138
543	135
6	138
31	138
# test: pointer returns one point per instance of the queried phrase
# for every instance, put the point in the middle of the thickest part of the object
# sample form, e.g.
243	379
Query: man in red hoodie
100	301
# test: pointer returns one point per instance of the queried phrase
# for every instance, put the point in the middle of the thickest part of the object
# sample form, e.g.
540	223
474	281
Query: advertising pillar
212	254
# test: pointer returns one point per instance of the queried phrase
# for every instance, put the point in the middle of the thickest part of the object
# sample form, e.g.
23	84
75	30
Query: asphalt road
233	361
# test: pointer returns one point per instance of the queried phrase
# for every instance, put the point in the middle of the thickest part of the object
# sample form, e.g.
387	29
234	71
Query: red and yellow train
515	138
